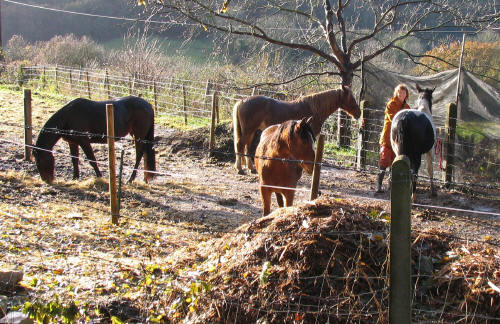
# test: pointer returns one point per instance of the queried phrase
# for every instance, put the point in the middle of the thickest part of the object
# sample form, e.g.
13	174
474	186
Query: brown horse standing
292	140
259	112
82	122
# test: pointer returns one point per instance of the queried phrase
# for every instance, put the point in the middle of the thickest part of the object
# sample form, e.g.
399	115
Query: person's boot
380	178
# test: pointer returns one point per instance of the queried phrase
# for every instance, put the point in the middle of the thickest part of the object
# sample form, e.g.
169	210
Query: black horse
413	134
83	121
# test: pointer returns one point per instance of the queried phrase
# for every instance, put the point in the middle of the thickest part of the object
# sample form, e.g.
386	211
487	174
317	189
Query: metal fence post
400	243
362	144
449	144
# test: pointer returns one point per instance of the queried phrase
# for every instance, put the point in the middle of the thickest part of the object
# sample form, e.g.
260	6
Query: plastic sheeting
478	101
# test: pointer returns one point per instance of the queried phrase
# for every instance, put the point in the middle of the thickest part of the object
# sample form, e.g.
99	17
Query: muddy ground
194	197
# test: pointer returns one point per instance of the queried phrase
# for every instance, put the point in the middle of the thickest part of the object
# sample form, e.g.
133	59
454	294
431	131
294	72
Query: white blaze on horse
413	134
258	112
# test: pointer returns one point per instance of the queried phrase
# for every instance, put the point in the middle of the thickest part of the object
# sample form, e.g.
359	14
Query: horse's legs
248	144
430	172
89	153
279	199
245	144
74	152
139	151
289	194
265	195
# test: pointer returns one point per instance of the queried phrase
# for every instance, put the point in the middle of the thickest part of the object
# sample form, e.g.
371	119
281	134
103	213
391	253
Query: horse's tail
237	128
400	139
149	154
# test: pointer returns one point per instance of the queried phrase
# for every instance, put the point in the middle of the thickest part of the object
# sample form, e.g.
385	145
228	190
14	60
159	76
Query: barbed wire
157	143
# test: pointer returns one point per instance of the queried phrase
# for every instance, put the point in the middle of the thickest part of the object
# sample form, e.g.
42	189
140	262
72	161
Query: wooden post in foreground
400	243
317	167
28	129
111	162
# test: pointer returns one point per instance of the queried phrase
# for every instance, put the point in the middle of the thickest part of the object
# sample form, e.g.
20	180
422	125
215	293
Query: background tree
333	35
481	58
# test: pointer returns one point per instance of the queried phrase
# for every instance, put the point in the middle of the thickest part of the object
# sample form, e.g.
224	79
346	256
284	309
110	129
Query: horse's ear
309	120
433	90
418	87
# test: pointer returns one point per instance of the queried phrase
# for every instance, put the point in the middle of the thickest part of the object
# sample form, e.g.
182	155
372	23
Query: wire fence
476	159
336	269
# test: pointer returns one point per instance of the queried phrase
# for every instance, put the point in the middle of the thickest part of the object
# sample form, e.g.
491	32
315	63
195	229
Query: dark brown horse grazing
83	121
259	112
292	140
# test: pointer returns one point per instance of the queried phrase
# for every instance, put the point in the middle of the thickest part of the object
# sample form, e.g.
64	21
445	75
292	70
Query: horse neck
48	136
424	106
323	104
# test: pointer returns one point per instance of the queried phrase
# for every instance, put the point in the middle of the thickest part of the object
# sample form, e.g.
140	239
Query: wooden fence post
362	144
70	82
28	130
216	100
111	162
106	84
400	243
207	93
211	143
318	158
57	86
88	83
155	96
184	105
449	144
44	78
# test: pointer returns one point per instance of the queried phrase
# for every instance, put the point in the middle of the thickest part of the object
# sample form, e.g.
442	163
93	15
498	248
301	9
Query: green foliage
482	58
53	311
265	273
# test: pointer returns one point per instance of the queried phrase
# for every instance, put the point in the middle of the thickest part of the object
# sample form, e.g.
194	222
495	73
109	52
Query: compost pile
328	261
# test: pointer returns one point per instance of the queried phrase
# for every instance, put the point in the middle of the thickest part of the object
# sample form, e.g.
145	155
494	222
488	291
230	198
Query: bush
68	50
17	49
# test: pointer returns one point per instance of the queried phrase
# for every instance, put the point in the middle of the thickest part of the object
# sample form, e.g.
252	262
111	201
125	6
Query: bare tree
336	34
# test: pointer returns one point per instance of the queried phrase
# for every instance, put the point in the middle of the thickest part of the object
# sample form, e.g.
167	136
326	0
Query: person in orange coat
387	155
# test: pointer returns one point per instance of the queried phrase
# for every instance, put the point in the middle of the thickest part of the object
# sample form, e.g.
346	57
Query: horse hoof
241	172
253	171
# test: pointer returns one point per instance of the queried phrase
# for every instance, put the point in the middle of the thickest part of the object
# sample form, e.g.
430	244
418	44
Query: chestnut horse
282	153
82	121
258	112
413	134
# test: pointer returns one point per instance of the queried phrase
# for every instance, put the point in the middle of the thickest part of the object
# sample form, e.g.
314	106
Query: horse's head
424	98
45	164
301	143
349	103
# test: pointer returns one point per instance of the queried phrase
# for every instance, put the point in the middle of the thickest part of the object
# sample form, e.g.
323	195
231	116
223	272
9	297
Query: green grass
332	149
177	122
478	129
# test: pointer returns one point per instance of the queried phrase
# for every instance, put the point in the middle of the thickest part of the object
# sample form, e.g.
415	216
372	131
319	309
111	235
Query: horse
258	112
291	140
413	134
82	122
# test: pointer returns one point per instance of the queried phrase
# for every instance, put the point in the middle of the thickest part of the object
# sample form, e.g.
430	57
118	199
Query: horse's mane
321	103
